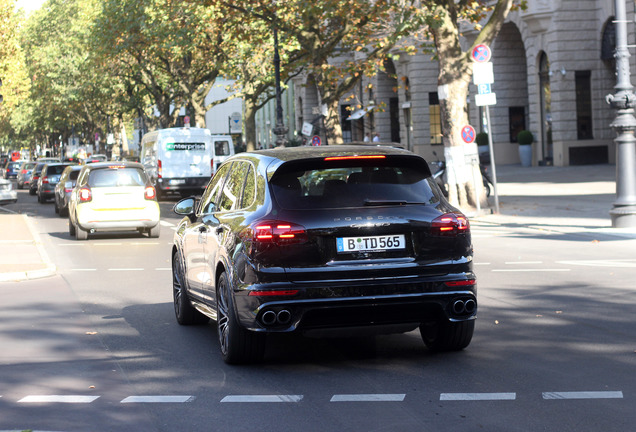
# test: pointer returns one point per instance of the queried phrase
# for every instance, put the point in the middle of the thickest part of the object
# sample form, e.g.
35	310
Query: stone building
553	66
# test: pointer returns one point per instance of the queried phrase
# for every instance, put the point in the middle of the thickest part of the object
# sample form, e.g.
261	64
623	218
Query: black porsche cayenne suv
324	240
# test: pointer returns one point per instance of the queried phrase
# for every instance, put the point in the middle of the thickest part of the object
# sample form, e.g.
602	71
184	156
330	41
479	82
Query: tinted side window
232	189
209	198
249	191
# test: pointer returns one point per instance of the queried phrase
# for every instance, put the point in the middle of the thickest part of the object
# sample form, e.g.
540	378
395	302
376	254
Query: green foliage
525	137
481	139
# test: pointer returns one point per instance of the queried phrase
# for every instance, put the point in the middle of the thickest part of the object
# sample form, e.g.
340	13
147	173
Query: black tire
63	211
445	335
57	209
71	227
40	199
155	231
31	191
238	345
19	185
185	313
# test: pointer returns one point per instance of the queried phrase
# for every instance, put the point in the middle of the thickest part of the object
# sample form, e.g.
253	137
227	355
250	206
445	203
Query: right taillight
450	224
278	232
159	169
85	194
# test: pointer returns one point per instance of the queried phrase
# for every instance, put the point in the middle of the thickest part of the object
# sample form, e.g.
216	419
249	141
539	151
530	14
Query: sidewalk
23	256
573	199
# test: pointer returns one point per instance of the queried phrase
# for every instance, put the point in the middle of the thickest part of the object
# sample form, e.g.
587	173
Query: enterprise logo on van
185	146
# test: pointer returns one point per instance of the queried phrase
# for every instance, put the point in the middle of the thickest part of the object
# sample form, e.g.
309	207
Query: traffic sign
483	88
481	53
315	140
486	99
468	134
483	73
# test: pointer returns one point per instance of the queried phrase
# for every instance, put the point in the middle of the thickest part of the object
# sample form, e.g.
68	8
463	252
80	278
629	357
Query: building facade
553	67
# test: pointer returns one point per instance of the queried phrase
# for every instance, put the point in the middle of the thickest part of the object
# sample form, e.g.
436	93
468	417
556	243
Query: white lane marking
584	395
263	398
368	398
523	262
163	269
602	263
531	270
84	269
158	399
58	399
477	396
107	244
482	264
126	269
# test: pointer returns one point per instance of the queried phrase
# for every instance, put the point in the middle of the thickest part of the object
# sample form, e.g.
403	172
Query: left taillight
278	232
450	224
85	194
150	193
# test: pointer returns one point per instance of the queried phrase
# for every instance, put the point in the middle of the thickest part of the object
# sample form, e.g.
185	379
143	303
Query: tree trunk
333	129
249	125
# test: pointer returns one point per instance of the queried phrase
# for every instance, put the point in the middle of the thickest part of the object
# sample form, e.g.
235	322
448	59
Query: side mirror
185	207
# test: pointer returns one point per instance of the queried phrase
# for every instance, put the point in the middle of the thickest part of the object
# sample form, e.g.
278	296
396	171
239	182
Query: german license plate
370	243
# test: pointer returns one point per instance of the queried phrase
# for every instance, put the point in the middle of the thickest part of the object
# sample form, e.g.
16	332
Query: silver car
7	194
24	175
64	188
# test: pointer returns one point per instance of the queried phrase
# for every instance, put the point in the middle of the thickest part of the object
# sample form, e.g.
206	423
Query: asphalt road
97	348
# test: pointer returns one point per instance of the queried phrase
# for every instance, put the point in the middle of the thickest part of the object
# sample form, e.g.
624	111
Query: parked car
35	176
11	169
8	195
49	178
24	174
113	196
324	241
64	188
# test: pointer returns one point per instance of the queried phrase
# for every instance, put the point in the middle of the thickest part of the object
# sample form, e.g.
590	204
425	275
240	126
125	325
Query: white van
183	159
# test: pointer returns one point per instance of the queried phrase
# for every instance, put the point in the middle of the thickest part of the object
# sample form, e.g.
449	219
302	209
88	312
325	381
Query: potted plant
525	140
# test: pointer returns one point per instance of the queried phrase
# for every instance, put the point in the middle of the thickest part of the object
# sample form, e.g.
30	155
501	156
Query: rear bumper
89	219
181	183
365	304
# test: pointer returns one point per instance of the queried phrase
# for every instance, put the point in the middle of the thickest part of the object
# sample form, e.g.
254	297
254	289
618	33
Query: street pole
279	130
623	213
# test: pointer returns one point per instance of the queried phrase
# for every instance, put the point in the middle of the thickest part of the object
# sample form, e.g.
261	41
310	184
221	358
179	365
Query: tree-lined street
97	347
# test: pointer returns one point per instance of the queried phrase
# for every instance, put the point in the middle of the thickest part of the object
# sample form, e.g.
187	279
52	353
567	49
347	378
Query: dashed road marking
628	263
126	269
531	270
262	398
73	399
368	398
583	395
158	399
477	396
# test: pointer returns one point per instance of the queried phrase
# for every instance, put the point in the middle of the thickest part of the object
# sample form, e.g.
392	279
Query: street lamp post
623	213
279	130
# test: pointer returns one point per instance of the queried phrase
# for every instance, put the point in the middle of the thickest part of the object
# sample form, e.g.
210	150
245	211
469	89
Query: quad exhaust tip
464	307
270	317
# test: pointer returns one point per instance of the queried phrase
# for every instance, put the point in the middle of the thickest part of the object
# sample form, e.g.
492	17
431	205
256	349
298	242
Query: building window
345	111
583	104
516	121
435	119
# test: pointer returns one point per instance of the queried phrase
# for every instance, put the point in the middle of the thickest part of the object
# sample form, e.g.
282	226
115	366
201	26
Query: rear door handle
219	229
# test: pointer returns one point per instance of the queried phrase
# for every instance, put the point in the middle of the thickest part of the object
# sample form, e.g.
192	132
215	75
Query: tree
444	20
334	41
15	85
169	53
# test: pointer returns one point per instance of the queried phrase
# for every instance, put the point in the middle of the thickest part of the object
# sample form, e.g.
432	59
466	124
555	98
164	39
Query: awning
358	114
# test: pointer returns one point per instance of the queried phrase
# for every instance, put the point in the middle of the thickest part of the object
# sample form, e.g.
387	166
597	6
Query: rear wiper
369	202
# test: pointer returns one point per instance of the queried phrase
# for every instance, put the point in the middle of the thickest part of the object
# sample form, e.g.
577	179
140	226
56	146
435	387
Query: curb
49	268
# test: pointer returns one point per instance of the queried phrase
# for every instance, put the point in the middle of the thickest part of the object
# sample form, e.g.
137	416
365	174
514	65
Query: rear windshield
112	177
55	169
354	183
73	175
